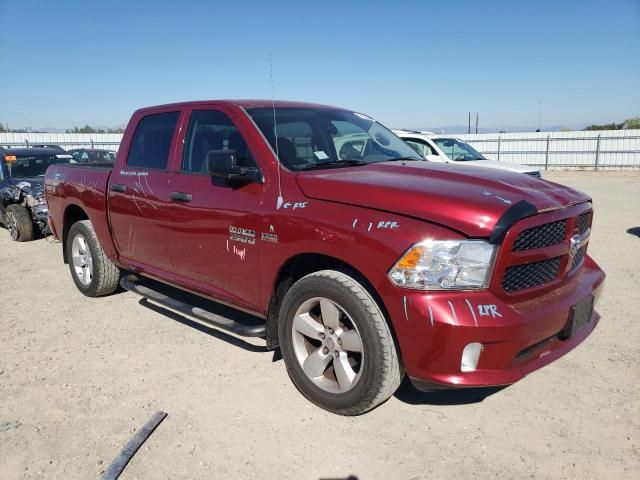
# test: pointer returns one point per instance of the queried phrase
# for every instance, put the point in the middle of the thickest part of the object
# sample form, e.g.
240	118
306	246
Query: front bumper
433	329
40	214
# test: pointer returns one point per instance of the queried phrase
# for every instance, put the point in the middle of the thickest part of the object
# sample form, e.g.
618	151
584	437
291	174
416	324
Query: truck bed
71	188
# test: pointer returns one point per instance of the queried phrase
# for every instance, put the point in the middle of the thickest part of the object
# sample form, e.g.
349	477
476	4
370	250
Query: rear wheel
92	272
19	223
337	345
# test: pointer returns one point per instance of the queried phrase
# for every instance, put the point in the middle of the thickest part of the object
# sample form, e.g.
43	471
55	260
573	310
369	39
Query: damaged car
23	210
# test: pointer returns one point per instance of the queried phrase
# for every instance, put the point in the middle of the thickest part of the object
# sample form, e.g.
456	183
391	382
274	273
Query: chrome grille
578	257
584	220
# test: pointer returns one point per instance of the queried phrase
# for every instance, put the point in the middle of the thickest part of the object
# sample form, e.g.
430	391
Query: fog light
470	357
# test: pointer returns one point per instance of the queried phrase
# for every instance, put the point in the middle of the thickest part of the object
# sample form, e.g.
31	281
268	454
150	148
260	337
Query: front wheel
19	223
337	345
92	272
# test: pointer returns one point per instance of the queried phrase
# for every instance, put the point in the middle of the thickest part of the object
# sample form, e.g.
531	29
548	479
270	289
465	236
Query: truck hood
467	199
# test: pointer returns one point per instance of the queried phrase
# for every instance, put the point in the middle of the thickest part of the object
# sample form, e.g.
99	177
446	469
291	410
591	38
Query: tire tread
389	365
105	272
25	224
391	370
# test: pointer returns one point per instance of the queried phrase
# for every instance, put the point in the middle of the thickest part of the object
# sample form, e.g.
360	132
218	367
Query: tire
92	272
351	382
19	223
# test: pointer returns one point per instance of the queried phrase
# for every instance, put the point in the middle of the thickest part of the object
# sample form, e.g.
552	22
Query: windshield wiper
334	163
413	159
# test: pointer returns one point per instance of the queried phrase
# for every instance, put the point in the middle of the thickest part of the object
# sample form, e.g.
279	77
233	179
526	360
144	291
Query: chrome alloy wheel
327	345
12	225
82	260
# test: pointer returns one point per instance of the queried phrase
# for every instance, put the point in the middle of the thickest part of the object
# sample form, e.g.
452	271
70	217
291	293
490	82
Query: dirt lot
78	376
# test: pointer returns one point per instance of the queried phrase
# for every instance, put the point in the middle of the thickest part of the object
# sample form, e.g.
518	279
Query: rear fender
74	213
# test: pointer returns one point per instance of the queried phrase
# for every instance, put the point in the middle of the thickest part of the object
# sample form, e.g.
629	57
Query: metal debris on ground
132	446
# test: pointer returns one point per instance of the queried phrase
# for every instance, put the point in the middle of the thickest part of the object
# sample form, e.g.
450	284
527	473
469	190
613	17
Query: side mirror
224	164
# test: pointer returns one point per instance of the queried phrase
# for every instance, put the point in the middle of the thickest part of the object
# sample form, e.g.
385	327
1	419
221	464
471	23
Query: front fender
369	241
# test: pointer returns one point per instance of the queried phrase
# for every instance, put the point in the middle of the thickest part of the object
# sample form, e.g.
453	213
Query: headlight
450	264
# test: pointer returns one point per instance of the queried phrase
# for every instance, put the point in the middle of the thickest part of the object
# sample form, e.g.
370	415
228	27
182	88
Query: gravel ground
78	376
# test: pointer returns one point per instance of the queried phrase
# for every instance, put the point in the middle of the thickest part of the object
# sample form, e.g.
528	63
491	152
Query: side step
131	283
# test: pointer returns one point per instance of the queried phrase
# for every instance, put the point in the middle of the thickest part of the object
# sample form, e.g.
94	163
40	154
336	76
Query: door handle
118	187
180	197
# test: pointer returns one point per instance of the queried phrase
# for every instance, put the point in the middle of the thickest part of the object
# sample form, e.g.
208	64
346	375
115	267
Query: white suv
448	149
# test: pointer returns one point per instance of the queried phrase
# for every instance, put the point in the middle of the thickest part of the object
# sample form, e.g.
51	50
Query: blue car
23	210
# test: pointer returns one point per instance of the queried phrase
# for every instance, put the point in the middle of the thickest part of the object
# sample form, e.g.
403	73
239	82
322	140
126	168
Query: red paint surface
189	245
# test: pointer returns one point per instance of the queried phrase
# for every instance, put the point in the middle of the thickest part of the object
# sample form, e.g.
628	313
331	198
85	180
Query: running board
131	283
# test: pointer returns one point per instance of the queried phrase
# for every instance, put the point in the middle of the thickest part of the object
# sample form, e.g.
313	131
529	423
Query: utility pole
539	113
477	122
469	124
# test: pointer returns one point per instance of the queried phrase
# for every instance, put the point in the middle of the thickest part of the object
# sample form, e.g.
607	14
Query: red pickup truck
363	262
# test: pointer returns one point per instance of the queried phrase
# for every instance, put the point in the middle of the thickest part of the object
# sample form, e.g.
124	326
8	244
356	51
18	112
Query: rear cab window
151	143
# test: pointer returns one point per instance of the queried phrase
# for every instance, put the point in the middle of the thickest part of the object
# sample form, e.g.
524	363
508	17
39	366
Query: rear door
139	194
214	241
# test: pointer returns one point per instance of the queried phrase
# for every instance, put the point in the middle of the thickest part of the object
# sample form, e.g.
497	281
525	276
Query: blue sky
411	63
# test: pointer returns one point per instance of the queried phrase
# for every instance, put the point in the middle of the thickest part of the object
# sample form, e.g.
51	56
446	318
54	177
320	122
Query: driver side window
211	130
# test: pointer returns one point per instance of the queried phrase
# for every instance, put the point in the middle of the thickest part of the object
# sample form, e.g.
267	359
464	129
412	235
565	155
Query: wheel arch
72	214
302	264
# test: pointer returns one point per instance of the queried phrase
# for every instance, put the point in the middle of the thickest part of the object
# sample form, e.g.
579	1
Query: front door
214	241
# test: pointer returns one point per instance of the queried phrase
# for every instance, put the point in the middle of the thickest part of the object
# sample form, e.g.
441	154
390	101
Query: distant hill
461	129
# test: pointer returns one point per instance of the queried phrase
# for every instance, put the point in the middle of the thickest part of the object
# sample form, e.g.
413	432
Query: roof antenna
280	200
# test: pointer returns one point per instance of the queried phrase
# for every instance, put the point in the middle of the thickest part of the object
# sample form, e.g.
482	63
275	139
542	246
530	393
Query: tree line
628	124
85	129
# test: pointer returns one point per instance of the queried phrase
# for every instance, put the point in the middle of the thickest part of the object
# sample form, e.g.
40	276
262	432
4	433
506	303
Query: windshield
457	150
326	138
102	156
28	166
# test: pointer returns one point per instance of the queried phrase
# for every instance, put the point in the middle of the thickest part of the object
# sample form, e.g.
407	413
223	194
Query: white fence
606	149
109	141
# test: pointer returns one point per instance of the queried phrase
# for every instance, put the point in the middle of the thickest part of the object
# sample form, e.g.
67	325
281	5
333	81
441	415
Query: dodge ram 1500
365	265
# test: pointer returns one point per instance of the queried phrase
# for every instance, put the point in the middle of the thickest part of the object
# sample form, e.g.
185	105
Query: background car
48	145
448	149
84	155
23	209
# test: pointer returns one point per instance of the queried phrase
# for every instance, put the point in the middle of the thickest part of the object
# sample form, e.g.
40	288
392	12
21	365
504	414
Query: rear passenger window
152	140
212	130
